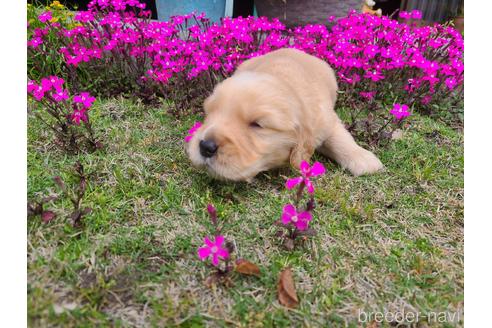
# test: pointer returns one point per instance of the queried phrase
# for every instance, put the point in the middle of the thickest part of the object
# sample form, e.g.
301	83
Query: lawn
387	242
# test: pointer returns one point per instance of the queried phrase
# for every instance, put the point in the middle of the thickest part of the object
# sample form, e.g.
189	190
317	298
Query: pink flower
213	250
307	172
84	16
31	86
35	42
60	95
416	14
52	82
400	111
371	51
405	15
451	83
374	75
56	82
192	131
85	99
46	84
299	219
118	4
79	115
37	93
44	17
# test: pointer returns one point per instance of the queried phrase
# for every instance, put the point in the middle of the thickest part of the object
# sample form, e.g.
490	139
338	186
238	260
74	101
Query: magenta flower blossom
35	42
60	95
400	111
38	92
405	15
79	115
213	249
31	86
416	14
56	82
46	84
52	82
85	99
374	75
84	16
307	172
299	219
451	83
192	131
44	17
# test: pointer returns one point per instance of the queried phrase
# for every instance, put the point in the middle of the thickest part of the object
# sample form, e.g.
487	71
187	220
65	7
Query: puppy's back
311	77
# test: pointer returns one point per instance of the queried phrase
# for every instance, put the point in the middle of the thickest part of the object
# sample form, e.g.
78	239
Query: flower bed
114	48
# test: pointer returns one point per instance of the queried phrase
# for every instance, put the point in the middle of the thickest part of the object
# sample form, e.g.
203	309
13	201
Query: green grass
387	242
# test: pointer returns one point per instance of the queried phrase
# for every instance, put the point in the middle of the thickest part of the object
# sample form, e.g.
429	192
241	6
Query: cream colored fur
276	109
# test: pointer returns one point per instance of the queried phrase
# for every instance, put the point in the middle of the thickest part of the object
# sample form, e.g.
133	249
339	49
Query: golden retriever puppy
275	109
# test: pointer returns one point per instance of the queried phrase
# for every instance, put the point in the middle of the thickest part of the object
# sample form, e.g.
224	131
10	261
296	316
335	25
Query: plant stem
300	190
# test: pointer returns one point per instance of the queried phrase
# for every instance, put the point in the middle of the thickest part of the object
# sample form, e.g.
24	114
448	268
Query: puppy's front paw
364	162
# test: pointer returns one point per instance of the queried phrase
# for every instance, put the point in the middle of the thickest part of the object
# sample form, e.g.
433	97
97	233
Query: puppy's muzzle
208	148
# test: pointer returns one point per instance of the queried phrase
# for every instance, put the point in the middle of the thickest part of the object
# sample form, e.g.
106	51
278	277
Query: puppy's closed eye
255	125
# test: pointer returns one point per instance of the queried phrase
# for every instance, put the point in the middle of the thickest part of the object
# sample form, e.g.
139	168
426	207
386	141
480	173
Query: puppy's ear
304	148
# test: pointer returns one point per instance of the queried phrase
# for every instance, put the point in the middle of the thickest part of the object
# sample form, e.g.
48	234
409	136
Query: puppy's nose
208	148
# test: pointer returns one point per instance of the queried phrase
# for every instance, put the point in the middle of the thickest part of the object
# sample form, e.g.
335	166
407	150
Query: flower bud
213	213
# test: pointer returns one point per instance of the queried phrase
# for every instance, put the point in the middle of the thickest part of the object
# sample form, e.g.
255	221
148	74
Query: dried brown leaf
245	267
287	295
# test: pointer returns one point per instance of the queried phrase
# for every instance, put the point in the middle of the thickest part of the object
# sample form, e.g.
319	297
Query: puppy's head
252	124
